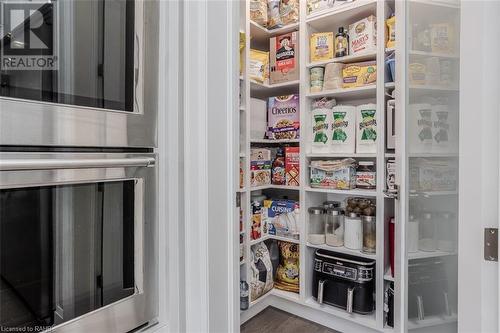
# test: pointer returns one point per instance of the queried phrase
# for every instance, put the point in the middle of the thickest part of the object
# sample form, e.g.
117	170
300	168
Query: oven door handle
51	163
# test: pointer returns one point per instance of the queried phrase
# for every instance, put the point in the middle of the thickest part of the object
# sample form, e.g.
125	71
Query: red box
292	166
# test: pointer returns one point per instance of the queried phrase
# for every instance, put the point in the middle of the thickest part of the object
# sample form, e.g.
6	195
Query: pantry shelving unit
303	304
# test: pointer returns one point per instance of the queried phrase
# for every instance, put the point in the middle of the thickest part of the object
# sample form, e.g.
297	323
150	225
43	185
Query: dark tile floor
272	320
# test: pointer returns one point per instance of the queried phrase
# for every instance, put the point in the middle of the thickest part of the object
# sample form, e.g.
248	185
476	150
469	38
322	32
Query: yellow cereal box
359	74
321	46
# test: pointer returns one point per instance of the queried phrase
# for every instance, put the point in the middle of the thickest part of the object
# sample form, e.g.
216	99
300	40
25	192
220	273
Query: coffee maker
344	281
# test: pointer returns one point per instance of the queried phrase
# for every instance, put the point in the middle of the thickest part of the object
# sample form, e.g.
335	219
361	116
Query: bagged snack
333	76
283	117
284	58
287	274
259	66
273	14
391	32
289	11
343	137
292	166
261	270
366	128
363	36
338	174
321	46
321	119
258	12
242	50
359	74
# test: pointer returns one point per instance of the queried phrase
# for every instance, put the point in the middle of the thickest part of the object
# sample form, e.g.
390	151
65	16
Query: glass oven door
74	73
76	238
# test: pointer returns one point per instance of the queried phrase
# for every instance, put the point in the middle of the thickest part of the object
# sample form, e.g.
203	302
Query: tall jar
334	228
331	204
369	234
413	230
353	234
447	231
316	231
427	240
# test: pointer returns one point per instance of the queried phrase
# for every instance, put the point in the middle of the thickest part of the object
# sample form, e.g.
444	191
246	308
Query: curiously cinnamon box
284	58
292	166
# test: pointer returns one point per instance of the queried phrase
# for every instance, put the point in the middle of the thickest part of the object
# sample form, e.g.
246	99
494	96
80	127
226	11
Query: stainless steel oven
78	241
100	87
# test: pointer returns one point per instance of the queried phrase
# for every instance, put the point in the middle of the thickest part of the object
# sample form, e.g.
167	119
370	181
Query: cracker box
321	46
284	58
283	117
363	36
279	218
292	166
359	74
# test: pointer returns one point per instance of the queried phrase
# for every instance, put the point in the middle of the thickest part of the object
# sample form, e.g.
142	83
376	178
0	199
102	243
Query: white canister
444	125
420	128
413	227
366	128
353	232
342	128
321	133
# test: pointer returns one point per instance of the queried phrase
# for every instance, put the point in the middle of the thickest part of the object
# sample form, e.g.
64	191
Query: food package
287	274
366	128
315	7
390	37
259	66
283	117
242	51
360	206
420	128
260	167
363	36
258	119
280	217
284	58
316	78
321	46
321	119
273	14
333	76
337	174
292	166
417	73
431	175
444	129
258	12
391	175
289	11
442	38
261	271
343	136
256	231
359	74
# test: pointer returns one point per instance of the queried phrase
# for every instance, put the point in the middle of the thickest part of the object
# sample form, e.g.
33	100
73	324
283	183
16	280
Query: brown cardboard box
284	58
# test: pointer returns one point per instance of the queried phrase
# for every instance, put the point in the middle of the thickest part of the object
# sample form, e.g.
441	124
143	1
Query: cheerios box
283	117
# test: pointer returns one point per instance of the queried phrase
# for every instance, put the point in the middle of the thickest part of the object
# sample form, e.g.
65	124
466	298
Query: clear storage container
447	231
316	231
353	235
334	229
369	234
427	240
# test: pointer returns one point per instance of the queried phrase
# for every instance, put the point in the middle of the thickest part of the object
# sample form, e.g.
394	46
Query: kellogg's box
284	58
283	117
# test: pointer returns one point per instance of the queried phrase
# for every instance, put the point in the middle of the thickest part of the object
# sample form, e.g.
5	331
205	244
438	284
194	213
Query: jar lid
331	204
367	218
366	163
334	211
353	215
427	216
316	210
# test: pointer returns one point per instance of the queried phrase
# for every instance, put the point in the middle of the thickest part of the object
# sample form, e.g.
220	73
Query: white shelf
268	141
340	155
262	35
368	91
434	155
430	194
355	192
276	187
266	237
291	296
431	321
342	15
390	85
344	250
424	254
388	276
265	90
346	59
390	49
241	190
433	54
390	155
367	320
260	299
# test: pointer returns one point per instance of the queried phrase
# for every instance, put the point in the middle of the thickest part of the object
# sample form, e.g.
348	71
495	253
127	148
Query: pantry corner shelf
346	59
355	192
264	90
341	15
340	155
266	237
276	187
431	321
433	54
261	34
344	250
368	91
434	254
269	141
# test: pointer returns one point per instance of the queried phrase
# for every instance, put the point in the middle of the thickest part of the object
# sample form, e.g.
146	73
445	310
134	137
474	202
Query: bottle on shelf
244	302
341	43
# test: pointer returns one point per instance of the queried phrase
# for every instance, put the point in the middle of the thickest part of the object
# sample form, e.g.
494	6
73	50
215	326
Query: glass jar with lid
334	228
447	231
353	233
413	231
427	240
369	234
316	227
331	204
366	176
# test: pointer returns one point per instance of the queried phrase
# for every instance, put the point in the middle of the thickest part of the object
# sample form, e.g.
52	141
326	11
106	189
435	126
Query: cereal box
359	74
283	117
363	36
292	166
260	167
284	58
321	46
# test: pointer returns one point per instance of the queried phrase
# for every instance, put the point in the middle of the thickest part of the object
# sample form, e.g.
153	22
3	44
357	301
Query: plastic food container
316	230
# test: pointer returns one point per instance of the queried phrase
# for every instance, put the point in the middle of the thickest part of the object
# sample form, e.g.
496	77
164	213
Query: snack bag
273	14
289	11
259	66
258	12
